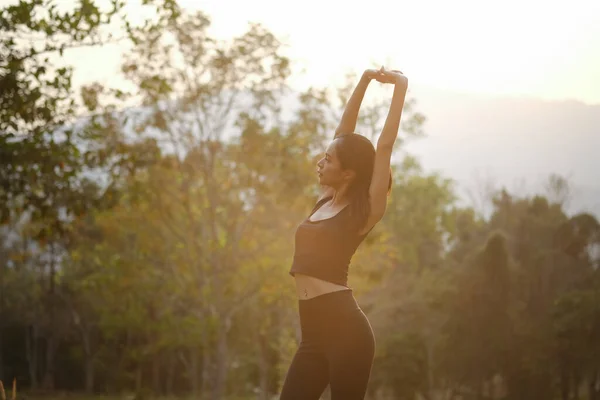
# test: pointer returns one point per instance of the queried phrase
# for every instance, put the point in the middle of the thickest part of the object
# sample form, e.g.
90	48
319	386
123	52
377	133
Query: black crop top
323	249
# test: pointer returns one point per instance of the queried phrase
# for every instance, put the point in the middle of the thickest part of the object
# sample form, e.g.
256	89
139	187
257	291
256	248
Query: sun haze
543	49
537	48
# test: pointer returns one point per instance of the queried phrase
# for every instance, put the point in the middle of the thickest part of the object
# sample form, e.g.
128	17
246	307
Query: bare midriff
308	287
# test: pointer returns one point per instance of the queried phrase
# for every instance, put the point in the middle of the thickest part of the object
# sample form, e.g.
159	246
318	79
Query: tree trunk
564	384
89	374
263	367
190	364
480	390
85	333
48	380
576	385
170	374
196	390
138	378
222	358
31	350
206	365
429	349
156	374
592	384
1	347
2	263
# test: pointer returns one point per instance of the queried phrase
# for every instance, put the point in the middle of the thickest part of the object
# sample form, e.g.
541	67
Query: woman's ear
349	175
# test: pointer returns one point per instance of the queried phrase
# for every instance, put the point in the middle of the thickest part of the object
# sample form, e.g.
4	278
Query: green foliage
39	153
403	365
478	329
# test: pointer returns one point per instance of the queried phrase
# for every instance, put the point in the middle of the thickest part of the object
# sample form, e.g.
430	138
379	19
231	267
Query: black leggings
337	348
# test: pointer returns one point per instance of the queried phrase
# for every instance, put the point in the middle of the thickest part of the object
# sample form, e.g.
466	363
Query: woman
337	344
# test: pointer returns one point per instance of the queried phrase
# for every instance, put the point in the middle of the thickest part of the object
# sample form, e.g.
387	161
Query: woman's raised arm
381	170
350	116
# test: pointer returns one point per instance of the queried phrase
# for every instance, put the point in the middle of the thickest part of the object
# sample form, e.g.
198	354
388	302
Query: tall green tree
214	106
478	331
39	156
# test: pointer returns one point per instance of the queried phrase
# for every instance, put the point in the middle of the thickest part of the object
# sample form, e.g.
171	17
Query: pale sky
542	48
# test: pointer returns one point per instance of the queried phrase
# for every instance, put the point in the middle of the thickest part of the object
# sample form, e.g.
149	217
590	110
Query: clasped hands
386	75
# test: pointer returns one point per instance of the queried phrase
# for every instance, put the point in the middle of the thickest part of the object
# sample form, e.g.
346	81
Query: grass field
76	396
6	393
81	396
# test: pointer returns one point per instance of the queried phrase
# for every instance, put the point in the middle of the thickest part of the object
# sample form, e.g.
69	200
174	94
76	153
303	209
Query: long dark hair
357	153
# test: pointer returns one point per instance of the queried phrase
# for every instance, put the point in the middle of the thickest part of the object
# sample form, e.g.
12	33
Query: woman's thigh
308	374
351	359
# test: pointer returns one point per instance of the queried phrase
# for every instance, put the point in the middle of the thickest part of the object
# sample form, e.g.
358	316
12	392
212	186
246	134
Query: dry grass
79	396
14	391
75	396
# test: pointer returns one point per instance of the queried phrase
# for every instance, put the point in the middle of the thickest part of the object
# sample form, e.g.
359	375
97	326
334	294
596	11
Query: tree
400	270
39	156
39	148
213	107
478	331
575	315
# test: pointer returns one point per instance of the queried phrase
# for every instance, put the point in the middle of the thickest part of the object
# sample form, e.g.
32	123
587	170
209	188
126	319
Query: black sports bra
323	249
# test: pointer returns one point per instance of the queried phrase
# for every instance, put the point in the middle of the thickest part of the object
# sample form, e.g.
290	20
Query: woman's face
330	170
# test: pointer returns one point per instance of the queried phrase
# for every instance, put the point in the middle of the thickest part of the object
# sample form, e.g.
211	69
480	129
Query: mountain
513	142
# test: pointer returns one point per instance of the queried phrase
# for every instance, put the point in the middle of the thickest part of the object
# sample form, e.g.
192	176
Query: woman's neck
340	197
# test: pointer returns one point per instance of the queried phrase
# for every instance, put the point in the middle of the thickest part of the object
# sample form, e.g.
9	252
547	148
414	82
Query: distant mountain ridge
517	142
514	142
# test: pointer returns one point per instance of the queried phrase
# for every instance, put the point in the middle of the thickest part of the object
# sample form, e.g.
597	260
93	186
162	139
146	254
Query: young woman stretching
337	344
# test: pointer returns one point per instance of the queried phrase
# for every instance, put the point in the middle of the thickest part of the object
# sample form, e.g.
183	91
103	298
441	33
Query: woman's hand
373	73
383	75
394	76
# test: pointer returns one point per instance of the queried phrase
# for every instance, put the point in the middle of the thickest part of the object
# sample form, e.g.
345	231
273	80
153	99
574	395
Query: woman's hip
331	315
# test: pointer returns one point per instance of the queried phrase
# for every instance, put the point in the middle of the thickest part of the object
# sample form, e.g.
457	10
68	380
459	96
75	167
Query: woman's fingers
383	75
393	72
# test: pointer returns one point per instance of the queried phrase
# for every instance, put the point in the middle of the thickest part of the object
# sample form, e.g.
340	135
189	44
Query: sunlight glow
548	50
539	48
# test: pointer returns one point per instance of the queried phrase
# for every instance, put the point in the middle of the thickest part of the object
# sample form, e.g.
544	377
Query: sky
545	49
